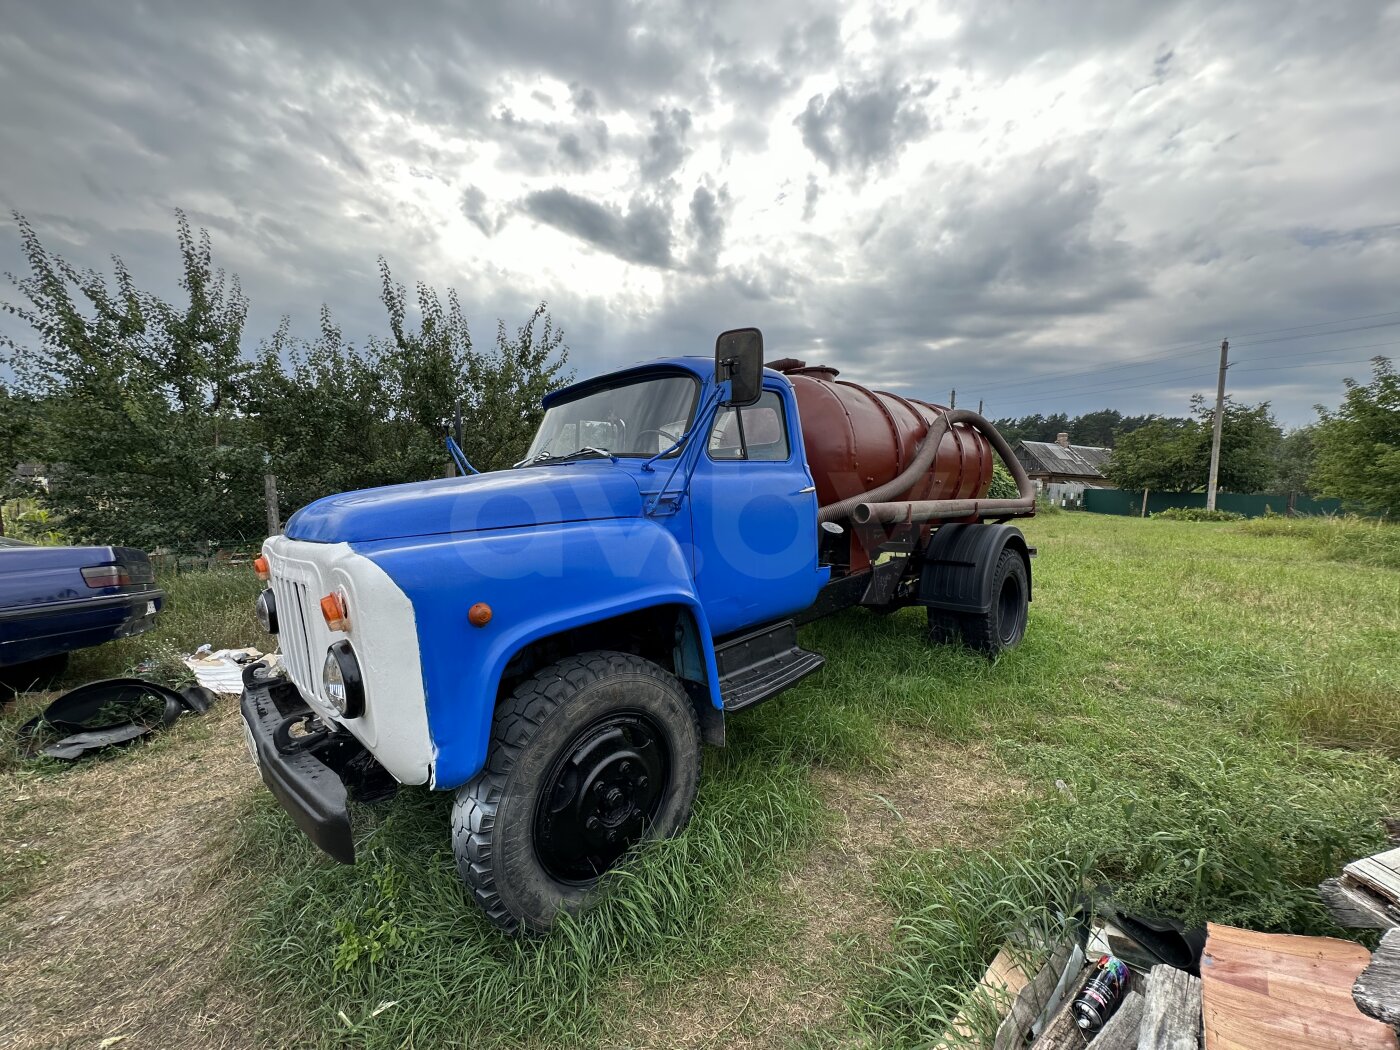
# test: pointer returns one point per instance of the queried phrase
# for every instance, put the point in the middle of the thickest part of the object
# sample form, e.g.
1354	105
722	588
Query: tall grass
1366	541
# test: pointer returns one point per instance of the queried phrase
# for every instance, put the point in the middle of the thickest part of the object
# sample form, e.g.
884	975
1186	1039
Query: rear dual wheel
590	757
1002	625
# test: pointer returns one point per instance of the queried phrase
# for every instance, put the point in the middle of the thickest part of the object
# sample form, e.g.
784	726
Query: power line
1174	350
1308	364
1153	379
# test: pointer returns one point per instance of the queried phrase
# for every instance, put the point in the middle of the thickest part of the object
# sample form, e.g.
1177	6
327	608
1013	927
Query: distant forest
1101	428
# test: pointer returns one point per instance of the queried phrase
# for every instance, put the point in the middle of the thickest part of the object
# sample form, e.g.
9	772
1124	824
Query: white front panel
383	632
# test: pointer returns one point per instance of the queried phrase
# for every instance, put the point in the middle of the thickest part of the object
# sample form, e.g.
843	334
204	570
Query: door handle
803	492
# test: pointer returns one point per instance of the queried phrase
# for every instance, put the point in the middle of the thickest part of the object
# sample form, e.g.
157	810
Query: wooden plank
1062	1033
1355	908
1269	991
1014	1031
1379	874
994	995
1171	1011
1377	991
1121	1032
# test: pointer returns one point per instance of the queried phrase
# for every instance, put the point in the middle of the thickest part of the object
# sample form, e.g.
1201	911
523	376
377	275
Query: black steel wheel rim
600	796
1011	608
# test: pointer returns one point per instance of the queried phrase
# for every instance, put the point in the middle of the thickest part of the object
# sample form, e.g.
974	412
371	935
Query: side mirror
739	360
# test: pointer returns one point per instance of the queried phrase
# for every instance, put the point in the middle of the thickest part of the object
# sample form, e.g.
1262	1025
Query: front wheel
591	756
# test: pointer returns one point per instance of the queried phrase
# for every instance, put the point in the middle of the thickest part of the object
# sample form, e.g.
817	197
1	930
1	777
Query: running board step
761	664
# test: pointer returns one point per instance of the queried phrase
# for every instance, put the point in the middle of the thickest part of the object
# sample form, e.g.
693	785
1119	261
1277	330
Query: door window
757	433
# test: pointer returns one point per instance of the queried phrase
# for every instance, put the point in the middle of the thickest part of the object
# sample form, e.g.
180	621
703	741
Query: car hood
504	499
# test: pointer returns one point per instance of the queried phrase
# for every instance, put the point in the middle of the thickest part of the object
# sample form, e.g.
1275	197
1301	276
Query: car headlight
340	674
267	611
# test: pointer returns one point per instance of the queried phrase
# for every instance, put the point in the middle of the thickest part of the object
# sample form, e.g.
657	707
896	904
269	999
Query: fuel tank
857	438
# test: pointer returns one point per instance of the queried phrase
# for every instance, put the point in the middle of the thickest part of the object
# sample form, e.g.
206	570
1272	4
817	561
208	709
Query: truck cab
553	642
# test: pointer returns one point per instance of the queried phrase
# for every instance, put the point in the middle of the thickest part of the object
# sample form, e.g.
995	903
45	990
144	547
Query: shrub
1003	484
1197	514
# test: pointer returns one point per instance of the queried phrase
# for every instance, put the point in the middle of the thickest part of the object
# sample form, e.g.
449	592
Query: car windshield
639	417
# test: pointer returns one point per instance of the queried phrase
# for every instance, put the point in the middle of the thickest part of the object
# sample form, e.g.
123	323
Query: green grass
1366	541
1202	717
1188	687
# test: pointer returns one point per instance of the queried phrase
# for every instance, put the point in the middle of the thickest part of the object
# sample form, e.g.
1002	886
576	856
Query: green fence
1123	501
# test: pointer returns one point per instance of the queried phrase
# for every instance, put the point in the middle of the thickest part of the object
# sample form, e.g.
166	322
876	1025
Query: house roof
1048	457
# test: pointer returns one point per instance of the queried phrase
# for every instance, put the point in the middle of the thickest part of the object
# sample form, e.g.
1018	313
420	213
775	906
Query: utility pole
953	399
979	406
1219	422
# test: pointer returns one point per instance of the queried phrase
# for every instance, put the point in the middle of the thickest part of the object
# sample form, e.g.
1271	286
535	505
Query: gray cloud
706	226
1210	169
810	197
665	145
642	234
857	127
474	208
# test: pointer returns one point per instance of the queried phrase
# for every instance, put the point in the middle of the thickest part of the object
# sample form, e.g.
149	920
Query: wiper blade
588	450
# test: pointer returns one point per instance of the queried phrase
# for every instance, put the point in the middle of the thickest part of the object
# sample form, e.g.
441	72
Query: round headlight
340	674
267	611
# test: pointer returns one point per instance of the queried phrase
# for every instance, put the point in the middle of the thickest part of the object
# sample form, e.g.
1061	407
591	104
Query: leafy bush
155	427
1003	484
1197	514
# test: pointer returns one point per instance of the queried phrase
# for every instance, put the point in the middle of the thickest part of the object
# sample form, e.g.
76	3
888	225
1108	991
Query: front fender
537	581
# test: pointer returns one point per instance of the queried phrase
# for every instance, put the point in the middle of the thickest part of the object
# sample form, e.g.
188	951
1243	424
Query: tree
1162	455
434	366
137	428
1297	454
1095	428
156	429
1173	455
1249	439
1358	446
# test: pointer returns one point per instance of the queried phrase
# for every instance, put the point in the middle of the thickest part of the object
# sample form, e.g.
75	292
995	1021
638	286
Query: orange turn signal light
260	567
479	615
333	609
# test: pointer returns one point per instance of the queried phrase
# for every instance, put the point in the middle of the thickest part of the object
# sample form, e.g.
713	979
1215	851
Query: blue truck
54	600
553	642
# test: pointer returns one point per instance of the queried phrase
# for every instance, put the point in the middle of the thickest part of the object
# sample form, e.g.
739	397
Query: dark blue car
57	599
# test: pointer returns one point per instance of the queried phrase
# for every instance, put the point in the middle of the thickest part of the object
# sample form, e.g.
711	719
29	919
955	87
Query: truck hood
540	495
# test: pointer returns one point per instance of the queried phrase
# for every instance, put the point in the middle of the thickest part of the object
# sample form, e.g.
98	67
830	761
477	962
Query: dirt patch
122	932
934	795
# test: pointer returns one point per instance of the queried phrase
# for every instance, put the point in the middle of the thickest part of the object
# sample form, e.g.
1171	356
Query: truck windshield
639	417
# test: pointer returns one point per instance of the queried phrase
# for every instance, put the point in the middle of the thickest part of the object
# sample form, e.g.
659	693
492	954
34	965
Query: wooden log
1377	990
1171	1011
1354	908
1121	1032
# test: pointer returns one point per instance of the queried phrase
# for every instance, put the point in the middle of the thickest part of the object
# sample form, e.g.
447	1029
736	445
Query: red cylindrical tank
857	439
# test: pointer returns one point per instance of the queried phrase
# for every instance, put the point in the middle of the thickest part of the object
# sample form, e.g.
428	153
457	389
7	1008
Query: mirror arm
702	418
704	410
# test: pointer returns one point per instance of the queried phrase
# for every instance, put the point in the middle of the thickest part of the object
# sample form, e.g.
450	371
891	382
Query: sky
1045	206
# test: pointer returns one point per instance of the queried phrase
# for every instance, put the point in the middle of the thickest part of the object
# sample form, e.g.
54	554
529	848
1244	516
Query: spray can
1100	996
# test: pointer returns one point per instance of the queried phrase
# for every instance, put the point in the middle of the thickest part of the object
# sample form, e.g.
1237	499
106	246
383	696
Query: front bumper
303	764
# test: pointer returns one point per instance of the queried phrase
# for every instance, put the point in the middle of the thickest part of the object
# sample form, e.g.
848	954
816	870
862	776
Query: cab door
754	515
